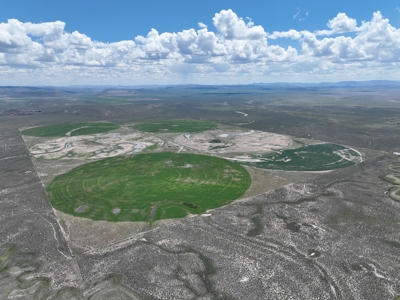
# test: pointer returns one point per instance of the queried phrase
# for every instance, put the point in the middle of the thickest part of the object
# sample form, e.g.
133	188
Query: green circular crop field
148	187
57	130
175	126
319	157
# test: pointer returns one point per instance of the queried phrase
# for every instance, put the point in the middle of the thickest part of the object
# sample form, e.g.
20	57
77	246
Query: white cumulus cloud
202	25
339	24
231	27
291	34
236	50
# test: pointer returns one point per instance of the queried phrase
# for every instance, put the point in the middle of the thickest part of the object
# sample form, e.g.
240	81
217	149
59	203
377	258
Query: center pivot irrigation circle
148	187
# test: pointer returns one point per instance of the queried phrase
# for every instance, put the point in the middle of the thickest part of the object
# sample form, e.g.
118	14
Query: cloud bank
237	51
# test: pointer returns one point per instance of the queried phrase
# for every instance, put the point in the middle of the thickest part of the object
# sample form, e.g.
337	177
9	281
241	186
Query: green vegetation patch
148	187
176	126
72	128
394	168
393	179
320	157
394	193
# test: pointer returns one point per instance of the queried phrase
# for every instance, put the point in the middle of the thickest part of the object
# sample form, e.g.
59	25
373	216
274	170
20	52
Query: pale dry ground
93	146
263	181
51	155
234	141
84	234
47	169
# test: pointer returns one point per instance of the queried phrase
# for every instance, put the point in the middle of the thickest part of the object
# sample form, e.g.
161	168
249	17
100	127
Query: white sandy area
93	146
248	141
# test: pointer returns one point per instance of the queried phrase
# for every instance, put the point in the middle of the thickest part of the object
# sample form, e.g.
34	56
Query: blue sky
108	42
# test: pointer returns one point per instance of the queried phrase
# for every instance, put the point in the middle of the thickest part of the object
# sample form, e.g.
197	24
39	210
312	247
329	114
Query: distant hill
124	91
370	83
117	92
26	91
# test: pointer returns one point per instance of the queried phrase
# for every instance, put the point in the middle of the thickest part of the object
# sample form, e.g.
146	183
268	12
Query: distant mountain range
112	90
369	83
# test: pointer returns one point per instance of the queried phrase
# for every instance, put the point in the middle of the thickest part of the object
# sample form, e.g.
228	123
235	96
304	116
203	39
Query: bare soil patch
236	141
85	234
